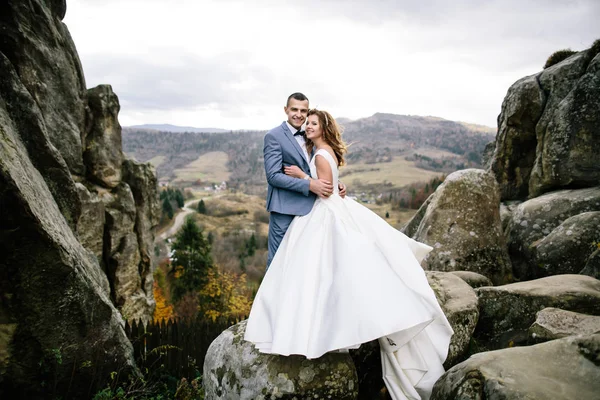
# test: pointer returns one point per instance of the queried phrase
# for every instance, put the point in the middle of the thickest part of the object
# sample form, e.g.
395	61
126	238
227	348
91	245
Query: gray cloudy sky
231	64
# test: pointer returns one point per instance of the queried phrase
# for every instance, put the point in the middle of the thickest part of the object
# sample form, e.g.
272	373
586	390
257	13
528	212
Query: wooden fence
177	347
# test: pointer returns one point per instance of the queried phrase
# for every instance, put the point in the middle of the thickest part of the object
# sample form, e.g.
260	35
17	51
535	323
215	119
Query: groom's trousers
278	225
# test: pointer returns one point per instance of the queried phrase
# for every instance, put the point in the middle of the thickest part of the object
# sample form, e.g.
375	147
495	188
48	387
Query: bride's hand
294	171
342	189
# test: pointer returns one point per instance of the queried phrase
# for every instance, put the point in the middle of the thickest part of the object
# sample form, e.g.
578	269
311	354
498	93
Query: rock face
514	155
66	262
567	248
554	323
90	227
46	61
460	305
103	155
54	294
562	369
549	128
507	312
569	130
461	220
141	178
234	369
535	219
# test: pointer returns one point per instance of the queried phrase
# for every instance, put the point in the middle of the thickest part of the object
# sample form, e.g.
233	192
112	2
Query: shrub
558	56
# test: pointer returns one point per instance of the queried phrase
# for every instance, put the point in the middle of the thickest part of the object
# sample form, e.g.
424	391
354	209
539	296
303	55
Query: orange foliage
163	310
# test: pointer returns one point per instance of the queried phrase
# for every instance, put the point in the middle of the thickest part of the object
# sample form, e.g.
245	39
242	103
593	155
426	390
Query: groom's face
296	111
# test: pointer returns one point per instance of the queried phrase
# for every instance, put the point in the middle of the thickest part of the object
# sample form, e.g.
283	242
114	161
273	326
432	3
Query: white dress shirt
300	139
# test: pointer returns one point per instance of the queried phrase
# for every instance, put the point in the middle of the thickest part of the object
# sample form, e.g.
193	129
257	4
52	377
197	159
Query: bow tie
301	133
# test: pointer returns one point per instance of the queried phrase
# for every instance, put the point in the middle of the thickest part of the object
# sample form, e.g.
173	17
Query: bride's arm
323	170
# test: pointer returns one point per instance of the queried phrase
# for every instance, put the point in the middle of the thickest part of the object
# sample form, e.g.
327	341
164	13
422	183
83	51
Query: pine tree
168	208
178	196
201	207
192	260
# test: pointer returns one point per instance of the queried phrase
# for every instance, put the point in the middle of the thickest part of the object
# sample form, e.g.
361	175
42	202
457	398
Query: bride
343	276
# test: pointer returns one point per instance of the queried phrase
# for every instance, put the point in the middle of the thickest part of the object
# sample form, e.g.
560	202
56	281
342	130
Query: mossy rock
235	369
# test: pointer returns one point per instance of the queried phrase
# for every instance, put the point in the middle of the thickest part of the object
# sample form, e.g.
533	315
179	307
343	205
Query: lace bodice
332	163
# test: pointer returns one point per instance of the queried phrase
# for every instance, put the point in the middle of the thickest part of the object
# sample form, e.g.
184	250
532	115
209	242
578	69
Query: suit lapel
295	143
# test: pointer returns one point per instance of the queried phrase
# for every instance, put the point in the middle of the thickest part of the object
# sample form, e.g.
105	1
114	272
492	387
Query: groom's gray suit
286	196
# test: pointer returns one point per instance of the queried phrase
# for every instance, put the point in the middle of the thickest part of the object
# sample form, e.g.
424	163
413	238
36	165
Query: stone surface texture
234	369
562	369
461	221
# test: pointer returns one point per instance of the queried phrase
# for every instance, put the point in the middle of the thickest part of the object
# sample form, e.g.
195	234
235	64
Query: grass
394	174
156	161
209	168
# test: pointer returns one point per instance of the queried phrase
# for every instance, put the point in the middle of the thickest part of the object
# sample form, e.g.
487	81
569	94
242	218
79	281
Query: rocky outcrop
569	129
516	142
461	221
63	253
548	129
507	312
40	49
103	155
54	294
562	369
141	178
473	279
554	323
533	220
234	369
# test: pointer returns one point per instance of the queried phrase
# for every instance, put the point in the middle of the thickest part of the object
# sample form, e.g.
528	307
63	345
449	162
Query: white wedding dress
343	276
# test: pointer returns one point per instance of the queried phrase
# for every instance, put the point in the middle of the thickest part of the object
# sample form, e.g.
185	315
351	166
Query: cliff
77	217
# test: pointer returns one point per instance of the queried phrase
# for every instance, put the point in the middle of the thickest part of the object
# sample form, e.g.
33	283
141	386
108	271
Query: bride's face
313	127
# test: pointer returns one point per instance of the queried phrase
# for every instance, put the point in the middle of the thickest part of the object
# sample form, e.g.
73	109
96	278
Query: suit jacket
286	195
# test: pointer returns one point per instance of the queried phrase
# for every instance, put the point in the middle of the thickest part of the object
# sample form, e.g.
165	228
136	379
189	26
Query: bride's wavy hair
332	134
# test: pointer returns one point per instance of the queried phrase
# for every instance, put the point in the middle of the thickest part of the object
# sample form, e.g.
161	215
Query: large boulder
506	312
462	223
562	369
535	219
39	47
554	323
234	369
460	305
568	133
514	155
63	328
548	129
568	247
103	155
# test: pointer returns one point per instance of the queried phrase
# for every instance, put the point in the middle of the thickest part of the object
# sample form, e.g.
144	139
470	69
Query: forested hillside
429	143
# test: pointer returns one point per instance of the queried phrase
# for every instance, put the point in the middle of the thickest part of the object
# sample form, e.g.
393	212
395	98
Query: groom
287	197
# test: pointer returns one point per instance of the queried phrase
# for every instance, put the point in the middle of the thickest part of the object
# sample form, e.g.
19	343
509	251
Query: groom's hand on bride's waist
321	187
342	188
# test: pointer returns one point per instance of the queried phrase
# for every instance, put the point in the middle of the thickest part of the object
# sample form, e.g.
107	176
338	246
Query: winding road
179	220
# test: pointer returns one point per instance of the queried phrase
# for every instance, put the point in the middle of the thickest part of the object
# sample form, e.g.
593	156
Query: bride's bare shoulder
329	149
